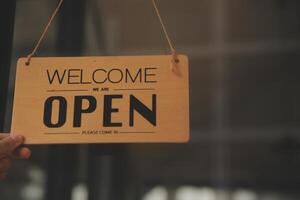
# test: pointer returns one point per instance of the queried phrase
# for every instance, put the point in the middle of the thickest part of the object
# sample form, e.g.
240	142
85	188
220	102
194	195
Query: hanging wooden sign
102	100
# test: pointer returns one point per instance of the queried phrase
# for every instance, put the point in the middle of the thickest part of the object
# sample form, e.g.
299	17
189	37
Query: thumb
9	144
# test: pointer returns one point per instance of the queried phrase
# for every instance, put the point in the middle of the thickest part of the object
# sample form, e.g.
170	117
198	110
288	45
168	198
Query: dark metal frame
7	16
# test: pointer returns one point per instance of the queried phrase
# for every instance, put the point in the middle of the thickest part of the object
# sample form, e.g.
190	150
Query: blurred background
245	111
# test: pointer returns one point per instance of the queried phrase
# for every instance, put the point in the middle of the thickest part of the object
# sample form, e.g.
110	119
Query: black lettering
78	110
110	74
73	76
56	74
94	76
128	75
62	114
147	74
149	115
108	110
81	79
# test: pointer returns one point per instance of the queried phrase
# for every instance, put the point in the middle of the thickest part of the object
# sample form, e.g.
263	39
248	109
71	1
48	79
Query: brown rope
173	51
44	33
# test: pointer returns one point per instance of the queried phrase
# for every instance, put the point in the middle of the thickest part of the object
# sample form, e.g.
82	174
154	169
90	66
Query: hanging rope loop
175	59
44	32
172	48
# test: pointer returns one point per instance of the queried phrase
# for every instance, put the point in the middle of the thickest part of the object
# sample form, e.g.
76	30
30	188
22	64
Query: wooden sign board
126	99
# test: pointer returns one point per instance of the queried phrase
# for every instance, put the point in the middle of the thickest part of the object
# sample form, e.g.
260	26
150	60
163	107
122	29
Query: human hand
10	148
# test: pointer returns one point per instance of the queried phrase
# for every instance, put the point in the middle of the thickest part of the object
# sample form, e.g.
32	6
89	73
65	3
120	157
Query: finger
22	153
9	144
5	164
4	135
